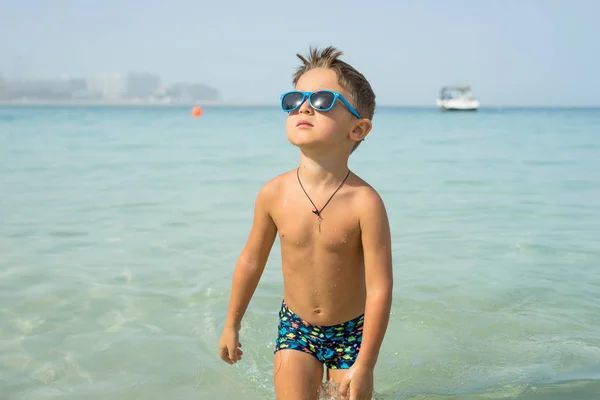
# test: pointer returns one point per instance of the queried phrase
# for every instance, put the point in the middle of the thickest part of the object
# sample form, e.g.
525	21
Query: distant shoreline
126	103
242	103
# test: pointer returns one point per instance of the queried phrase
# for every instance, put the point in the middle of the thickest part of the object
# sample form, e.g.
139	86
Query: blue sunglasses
323	100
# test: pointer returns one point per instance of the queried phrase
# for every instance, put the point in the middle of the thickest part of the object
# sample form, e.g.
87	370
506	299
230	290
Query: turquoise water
120	228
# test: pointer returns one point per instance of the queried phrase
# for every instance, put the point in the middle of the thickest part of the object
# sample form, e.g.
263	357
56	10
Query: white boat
457	98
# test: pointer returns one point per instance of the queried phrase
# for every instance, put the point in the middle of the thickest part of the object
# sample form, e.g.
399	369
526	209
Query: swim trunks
335	346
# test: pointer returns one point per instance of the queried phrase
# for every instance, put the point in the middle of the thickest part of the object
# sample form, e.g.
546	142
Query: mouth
304	124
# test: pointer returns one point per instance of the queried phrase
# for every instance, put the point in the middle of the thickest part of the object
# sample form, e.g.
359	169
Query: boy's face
337	127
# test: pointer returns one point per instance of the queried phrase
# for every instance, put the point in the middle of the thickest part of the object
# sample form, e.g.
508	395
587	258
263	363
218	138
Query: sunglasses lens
322	100
291	101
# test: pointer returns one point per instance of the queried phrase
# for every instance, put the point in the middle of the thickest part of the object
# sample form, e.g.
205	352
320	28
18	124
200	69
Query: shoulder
273	188
364	193
367	200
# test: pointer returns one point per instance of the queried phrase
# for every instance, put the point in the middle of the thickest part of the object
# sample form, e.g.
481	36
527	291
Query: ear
361	129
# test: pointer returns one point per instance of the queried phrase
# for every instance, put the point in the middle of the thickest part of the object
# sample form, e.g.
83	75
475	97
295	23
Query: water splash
329	391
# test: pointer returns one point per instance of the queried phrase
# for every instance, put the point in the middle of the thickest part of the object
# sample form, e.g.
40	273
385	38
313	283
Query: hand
229	346
357	383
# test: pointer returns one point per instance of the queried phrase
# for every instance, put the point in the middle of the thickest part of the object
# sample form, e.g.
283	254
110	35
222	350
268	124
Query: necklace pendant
316	211
318	222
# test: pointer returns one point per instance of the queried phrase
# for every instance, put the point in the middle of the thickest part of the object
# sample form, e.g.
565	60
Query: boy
335	241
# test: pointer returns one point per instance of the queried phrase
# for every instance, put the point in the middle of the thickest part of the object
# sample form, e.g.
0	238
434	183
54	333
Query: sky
511	52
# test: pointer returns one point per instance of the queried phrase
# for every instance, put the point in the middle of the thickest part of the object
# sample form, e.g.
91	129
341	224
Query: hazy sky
518	52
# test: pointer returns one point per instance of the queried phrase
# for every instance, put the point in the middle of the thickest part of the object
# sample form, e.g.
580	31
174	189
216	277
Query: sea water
120	228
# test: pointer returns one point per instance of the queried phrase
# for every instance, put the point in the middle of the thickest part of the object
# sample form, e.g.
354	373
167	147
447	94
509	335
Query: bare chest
335	230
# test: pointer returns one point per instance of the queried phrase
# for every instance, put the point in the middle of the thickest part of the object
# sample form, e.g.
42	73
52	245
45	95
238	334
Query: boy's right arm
248	270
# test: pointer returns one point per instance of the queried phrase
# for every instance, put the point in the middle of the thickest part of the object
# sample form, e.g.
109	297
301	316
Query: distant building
142	85
190	92
3	91
42	89
110	86
138	88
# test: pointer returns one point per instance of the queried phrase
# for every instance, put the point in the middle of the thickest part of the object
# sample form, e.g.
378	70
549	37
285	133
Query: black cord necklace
316	211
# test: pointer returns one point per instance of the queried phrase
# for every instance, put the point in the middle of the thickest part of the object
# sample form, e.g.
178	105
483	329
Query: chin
301	138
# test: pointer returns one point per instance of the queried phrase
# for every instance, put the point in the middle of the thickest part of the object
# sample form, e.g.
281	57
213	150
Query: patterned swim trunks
336	346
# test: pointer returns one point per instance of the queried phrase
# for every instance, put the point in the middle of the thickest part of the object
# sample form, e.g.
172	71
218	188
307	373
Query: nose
305	107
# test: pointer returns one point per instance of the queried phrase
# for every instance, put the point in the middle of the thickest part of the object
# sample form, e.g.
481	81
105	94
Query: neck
321	170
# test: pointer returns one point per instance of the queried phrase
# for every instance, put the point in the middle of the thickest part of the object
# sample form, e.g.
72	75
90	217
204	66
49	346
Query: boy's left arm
377	249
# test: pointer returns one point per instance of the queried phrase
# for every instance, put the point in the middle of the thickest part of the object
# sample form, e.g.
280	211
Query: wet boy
335	241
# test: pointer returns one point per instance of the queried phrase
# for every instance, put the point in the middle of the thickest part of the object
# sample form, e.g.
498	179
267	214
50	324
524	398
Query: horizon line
247	103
